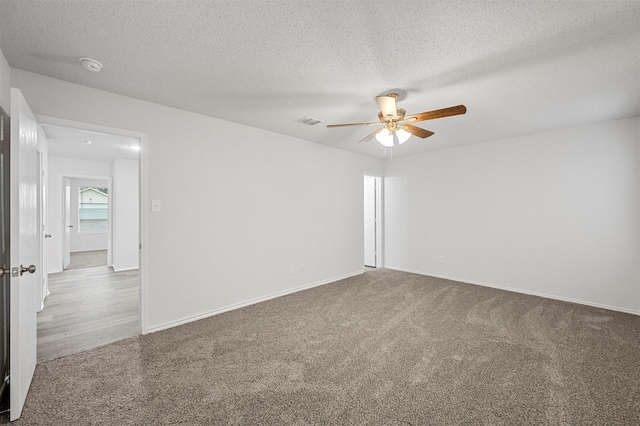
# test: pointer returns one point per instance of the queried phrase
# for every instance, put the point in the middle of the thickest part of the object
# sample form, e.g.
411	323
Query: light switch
155	205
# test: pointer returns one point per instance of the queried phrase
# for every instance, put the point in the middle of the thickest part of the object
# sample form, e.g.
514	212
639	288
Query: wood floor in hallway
87	308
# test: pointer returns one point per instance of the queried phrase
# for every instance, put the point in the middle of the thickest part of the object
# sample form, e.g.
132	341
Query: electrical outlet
290	270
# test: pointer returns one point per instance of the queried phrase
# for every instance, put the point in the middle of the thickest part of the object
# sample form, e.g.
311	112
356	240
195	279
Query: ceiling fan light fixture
385	137
396	123
402	135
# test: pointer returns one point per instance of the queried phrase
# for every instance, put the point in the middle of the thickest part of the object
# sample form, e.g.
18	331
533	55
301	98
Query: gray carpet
88	259
382	348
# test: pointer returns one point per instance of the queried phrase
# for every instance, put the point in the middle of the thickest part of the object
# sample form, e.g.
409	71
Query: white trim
143	216
90	127
519	290
127	268
248	303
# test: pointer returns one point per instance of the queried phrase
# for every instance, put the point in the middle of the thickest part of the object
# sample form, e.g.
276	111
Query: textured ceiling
520	67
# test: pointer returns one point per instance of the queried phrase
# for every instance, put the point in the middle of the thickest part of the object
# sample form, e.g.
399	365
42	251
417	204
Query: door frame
109	180
43	188
379	228
143	214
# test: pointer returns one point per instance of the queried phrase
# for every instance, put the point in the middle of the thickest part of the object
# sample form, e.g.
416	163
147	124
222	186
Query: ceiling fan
397	127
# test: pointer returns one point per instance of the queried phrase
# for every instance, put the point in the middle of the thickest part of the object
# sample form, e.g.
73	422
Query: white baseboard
123	268
519	290
248	303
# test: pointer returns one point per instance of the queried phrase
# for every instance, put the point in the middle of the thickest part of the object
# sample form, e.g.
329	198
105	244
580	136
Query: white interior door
25	256
5	254
43	288
370	221
66	249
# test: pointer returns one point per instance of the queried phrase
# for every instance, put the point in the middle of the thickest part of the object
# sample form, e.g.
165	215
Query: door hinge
140	246
15	272
7	378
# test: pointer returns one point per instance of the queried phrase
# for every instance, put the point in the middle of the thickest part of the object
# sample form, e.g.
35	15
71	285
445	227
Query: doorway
87	221
372	221
94	250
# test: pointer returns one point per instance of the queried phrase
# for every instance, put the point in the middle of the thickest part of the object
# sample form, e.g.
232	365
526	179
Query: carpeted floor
88	259
381	348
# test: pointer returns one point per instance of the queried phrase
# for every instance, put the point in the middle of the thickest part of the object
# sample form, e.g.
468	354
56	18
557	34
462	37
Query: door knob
47	235
30	269
4	271
70	226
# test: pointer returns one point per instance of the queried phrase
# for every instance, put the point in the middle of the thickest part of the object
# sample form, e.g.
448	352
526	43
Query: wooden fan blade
438	113
388	105
370	135
417	131
353	124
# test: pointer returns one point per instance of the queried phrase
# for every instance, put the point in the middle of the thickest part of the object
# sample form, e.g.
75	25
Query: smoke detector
90	64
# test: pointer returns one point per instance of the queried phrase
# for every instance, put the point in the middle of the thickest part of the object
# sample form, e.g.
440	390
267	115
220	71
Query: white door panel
25	239
43	287
369	221
66	249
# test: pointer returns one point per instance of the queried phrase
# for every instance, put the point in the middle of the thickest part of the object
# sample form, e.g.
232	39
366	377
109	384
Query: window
93	209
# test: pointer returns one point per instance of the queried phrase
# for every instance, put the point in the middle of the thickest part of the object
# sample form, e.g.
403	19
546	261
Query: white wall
85	241
272	202
125	214
554	213
5	86
59	167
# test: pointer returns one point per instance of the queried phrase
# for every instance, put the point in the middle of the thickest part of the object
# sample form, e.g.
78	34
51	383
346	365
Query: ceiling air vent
309	121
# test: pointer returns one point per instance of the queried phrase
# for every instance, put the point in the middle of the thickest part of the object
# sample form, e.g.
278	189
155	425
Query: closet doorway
372	221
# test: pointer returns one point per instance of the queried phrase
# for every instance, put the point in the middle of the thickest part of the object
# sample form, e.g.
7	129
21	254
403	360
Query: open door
5	260
24	251
66	248
370	222
43	287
